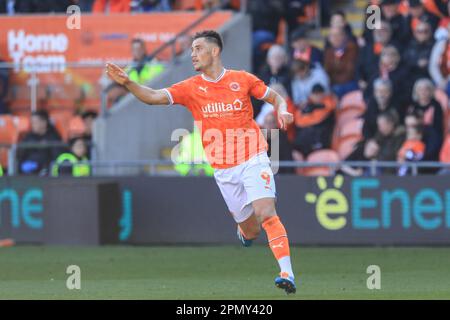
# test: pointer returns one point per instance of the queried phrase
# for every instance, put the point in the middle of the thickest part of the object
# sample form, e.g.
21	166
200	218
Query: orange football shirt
223	113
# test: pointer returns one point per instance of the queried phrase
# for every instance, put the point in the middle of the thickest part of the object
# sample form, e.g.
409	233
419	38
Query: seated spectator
339	62
37	160
68	163
417	13
365	150
88	119
423	100
275	70
4	84
315	122
412	150
417	53
284	147
430	137
150	5
390	13
369	54
111	6
302	48
439	67
304	77
389	137
390	67
339	20
381	101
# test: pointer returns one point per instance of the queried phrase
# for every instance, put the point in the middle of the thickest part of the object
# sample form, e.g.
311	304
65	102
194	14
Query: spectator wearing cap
382	100
275	70
417	13
303	78
391	67
439	67
418	52
369	54
315	121
302	48
390	13
339	62
424	101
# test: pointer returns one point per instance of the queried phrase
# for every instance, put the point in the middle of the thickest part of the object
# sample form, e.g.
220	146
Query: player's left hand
285	119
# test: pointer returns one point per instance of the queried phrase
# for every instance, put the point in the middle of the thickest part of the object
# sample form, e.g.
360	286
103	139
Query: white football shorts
245	183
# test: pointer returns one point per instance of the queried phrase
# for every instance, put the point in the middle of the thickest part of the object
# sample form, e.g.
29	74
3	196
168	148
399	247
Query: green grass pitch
221	272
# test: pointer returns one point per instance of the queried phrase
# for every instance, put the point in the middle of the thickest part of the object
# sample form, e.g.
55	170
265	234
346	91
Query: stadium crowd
379	95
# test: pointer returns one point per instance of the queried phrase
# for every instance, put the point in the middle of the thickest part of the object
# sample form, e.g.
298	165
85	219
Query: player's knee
265	212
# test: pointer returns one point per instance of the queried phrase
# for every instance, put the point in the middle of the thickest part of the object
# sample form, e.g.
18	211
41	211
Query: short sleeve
178	93
257	87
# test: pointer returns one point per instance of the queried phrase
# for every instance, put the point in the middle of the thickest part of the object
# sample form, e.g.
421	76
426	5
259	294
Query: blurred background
369	89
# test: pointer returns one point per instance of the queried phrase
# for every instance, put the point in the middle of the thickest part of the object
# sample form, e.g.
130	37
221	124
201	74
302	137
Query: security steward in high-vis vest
71	163
142	69
191	158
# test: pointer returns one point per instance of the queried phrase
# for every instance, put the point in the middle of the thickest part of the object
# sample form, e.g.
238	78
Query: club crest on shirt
234	86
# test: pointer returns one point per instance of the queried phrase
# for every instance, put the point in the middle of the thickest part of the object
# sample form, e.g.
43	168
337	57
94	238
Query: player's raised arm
284	117
143	93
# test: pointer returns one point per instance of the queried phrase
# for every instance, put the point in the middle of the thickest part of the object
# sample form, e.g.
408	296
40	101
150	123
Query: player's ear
215	51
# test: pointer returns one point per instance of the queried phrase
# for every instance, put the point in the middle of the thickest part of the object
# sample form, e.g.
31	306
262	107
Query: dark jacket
371	114
42	156
437	121
340	64
414	52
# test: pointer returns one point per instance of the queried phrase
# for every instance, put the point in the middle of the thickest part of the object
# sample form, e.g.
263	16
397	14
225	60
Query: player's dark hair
211	36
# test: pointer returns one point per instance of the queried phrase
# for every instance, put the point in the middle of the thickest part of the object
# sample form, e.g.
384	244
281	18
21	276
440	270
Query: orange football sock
278	243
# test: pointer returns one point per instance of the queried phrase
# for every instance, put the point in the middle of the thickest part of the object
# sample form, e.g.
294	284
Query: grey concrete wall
135	131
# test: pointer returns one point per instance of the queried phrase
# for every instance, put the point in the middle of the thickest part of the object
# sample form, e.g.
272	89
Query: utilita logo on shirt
220	109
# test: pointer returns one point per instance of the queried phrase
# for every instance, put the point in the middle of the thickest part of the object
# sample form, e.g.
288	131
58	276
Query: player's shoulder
190	80
241	74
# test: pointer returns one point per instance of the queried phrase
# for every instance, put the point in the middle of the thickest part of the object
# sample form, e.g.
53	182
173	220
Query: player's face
201	55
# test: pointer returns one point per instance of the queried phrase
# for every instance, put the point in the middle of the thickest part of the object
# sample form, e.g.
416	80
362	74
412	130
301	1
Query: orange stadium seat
346	145
23	125
351	127
353	99
8	136
325	155
348	114
76	127
61	119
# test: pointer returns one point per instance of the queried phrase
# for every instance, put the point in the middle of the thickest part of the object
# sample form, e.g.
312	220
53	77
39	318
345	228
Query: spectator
418	52
390	67
4	85
390	13
381	101
7	7
68	163
369	55
424	101
88	119
41	6
304	78
143	68
339	20
275	70
37	160
412	150
150	5
417	14
431	139
339	62
284	147
303	50
365	150
389	137
111	6
293	9
315	122
439	67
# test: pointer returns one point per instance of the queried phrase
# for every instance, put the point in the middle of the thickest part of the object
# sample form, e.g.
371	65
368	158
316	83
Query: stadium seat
348	114
61	119
346	145
353	99
351	127
298	156
76	127
325	155
23	125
